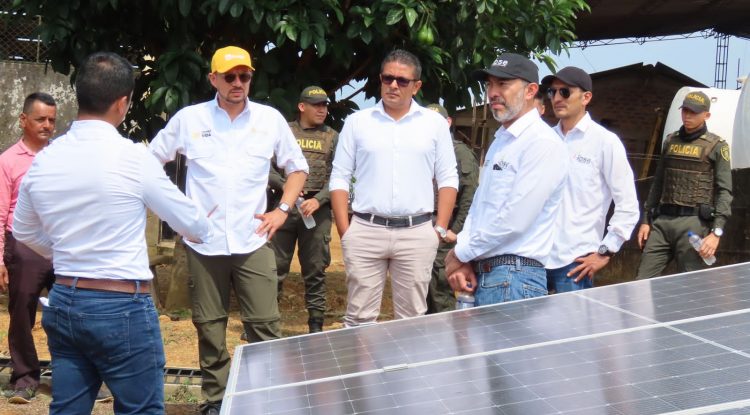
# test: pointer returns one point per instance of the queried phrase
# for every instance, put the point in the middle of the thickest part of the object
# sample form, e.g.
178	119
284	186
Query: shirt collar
521	124
413	109
321	127
22	149
582	125
214	103
93	124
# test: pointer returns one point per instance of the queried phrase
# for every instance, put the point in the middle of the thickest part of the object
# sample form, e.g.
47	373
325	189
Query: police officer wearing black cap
599	175
505	243
692	191
318	142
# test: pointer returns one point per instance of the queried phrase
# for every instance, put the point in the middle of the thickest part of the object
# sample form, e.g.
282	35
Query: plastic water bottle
465	300
309	221
696	242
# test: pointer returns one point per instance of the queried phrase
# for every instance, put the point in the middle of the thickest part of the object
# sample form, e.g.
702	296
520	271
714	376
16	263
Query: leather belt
395	221
677	210
118	286
486	265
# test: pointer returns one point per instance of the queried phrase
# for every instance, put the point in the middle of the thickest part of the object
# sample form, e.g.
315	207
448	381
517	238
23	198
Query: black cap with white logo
510	66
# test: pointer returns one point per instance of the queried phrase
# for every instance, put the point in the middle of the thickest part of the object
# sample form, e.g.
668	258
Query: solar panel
670	345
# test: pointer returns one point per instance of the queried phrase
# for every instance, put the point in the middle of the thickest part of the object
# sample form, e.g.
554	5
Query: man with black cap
599	174
692	191
501	252
318	142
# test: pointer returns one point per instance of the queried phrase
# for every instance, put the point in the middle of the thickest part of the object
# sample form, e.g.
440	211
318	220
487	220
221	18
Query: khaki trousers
373	251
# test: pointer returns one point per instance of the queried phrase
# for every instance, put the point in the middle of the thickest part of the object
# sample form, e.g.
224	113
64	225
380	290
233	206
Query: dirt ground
178	333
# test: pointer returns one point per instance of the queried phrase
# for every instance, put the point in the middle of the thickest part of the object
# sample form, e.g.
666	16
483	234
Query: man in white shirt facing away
228	143
83	203
599	174
393	150
507	237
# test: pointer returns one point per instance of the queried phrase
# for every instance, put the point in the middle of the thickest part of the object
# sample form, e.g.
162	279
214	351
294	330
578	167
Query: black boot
315	324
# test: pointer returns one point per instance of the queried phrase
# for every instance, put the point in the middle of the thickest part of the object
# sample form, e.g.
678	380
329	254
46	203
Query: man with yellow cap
229	143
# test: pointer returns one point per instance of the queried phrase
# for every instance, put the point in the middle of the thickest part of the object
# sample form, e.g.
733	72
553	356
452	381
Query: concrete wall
19	79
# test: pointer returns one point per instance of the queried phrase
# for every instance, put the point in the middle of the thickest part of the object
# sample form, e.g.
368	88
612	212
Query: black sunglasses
245	77
402	82
564	92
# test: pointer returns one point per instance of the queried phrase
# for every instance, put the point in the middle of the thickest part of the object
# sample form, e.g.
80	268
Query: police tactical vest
688	171
317	145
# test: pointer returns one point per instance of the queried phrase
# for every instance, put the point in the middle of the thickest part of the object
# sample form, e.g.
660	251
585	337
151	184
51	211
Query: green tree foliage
295	43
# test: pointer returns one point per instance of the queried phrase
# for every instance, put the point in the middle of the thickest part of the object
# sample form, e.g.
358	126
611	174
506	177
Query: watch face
284	207
603	250
718	232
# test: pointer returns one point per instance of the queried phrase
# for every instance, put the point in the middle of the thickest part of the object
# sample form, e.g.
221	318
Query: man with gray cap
692	191
501	253
318	142
599	174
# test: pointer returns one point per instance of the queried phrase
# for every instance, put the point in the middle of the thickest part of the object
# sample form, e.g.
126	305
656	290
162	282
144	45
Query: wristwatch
718	232
441	231
284	207
604	250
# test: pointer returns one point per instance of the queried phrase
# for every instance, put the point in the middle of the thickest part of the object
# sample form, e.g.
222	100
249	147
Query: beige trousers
373	251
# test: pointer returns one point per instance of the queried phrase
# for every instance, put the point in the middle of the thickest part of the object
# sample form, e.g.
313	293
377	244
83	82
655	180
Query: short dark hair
42	97
403	57
103	78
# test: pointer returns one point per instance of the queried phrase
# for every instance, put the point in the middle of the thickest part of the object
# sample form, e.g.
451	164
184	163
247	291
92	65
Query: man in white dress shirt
599	174
229	142
507	237
393	150
83	202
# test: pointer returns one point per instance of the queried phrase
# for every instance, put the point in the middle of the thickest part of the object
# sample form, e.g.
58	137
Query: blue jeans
510	282
96	336
558	280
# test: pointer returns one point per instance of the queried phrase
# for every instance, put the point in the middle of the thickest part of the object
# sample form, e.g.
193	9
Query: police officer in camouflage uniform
692	191
318	143
439	294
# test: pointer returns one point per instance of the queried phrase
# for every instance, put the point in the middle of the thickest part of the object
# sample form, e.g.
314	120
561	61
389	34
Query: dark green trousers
253	277
668	240
440	294
313	252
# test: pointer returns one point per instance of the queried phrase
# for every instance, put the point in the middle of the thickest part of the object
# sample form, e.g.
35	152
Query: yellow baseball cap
229	57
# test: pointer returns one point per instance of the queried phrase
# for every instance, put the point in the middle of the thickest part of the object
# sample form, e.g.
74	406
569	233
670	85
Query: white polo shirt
599	174
520	187
394	162
227	167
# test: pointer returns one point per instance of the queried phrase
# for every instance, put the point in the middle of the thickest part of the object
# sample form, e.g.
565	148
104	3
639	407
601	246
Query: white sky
695	57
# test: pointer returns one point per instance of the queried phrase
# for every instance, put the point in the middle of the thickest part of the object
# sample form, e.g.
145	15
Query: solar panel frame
665	345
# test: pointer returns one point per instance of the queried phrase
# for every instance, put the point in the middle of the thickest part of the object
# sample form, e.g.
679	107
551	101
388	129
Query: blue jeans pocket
51	327
109	334
506	283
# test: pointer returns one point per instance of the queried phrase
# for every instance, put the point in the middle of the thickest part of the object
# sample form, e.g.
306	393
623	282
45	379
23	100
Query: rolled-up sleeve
446	174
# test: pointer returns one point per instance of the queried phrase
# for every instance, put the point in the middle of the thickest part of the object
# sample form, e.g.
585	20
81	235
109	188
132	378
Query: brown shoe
22	396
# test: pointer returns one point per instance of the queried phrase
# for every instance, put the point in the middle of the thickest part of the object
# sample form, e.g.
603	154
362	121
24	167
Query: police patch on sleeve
725	152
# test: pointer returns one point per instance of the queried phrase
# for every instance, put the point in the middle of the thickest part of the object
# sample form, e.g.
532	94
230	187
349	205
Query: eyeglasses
245	77
564	92
402	82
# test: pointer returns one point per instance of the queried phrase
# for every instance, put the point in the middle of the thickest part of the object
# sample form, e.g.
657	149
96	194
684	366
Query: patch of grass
182	395
180	314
